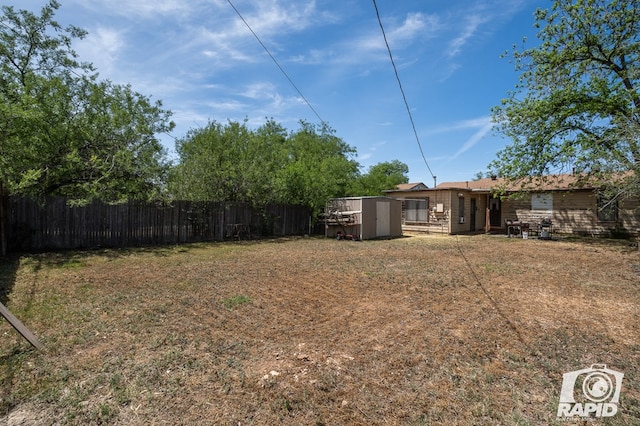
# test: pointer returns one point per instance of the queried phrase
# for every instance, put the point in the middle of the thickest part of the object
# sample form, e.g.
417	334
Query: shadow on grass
11	357
8	270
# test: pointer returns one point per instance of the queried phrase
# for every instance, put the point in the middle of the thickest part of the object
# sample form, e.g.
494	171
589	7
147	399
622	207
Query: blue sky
200	59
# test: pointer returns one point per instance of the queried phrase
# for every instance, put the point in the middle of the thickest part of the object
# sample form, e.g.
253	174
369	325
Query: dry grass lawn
413	331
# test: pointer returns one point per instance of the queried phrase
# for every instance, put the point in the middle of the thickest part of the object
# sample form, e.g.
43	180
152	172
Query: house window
461	209
542	201
607	209
417	210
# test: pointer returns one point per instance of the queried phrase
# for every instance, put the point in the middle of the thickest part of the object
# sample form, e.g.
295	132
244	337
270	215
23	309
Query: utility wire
276	62
415	132
489	297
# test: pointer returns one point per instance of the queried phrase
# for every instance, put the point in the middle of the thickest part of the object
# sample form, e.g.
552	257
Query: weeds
384	332
235	301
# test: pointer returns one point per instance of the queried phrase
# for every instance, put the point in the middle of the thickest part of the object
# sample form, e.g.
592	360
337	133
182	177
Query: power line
276	62
415	132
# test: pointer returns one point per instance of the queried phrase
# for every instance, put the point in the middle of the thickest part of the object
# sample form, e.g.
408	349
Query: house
363	218
470	206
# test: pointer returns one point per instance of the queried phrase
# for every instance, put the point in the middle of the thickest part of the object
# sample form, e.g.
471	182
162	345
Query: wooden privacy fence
53	225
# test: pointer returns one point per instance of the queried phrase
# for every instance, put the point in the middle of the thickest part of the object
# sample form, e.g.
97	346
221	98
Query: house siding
629	216
573	213
438	222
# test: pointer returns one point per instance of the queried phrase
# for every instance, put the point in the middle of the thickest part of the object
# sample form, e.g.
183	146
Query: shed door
383	219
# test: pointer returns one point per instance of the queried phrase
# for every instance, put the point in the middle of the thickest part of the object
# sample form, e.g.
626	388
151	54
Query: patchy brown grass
418	330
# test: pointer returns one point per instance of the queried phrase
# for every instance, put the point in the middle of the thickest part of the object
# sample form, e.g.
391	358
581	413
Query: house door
472	215
494	212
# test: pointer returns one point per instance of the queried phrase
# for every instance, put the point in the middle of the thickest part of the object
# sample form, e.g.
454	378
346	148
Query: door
383	219
472	215
494	212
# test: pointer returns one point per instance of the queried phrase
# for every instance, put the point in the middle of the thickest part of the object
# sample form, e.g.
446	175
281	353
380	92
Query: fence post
20	328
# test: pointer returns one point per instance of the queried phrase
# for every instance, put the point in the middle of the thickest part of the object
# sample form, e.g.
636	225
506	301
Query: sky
200	59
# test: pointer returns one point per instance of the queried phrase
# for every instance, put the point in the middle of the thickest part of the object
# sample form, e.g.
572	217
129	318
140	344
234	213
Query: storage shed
363	218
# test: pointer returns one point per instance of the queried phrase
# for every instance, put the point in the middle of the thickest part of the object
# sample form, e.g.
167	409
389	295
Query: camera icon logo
593	391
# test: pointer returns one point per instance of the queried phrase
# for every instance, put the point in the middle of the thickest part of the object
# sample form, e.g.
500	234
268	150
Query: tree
64	132
577	104
318	166
380	177
228	163
267	165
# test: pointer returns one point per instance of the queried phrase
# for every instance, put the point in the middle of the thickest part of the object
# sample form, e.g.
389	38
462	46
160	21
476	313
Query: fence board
54	225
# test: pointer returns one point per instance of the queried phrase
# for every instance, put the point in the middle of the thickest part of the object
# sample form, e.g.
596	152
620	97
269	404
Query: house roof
542	183
415	186
559	182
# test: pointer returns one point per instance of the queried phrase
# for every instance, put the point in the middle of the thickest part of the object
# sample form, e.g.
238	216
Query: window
461	209
542	201
607	209
417	210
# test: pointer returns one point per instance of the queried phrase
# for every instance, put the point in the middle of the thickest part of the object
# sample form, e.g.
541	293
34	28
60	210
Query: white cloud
259	91
474	139
481	127
473	22
414	26
144	9
102	47
368	46
366	156
227	40
227	106
272	17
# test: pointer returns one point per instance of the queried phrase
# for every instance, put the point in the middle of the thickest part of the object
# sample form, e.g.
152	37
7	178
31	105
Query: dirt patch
417	330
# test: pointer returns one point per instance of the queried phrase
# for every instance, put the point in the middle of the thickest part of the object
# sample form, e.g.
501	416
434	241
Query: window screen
607	210
417	210
542	201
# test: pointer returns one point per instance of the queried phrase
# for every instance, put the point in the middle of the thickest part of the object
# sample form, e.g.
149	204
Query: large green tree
231	162
63	131
577	105
318	166
380	177
228	163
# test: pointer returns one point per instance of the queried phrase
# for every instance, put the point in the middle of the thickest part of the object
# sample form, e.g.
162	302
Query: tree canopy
268	165
380	177
63	131
577	105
